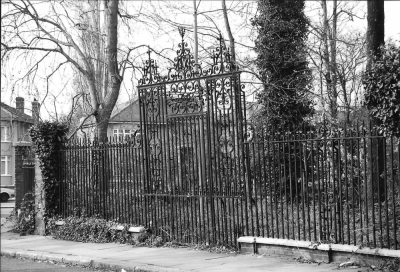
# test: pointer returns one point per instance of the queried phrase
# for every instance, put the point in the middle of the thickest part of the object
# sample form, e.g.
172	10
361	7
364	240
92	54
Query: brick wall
21	151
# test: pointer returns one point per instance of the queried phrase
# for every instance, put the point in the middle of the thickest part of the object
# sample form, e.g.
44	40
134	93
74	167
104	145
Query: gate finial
181	31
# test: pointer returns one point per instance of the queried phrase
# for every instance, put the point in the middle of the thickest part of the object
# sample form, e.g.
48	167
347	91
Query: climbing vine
47	138
25	219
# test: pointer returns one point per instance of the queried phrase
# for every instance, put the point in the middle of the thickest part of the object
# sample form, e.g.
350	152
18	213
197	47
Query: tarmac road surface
24	265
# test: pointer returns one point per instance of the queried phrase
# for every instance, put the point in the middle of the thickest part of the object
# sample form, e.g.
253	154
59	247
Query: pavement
6	208
120	257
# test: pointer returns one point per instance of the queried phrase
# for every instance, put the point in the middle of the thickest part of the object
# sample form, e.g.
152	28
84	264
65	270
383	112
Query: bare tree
330	59
229	30
70	34
337	56
80	38
209	21
351	58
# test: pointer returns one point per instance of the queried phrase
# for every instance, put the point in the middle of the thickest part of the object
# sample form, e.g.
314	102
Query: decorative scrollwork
221	57
150	72
226	144
155	147
136	139
324	131
185	97
223	95
248	134
185	67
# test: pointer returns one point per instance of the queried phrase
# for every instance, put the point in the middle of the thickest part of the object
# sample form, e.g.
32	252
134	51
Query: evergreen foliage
25	219
382	89
47	138
282	61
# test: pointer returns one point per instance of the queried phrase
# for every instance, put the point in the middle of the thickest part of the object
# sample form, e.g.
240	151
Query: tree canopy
382	89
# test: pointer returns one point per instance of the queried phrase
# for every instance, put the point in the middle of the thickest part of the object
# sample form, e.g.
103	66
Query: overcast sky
170	40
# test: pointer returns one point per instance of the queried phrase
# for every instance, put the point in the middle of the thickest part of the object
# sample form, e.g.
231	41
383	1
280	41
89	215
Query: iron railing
331	186
195	174
337	185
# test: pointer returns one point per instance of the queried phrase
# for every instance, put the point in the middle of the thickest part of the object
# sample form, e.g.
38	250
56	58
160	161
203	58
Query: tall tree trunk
375	39
326	56
376	29
196	41
332	38
228	29
346	96
99	55
113	77
105	68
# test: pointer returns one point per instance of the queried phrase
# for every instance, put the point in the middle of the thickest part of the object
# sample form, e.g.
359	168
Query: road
12	265
6	209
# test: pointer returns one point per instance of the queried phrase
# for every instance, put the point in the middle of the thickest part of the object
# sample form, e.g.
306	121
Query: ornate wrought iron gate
192	124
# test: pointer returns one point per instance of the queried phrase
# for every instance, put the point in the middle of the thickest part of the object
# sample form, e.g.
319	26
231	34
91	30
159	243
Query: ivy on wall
47	138
25	223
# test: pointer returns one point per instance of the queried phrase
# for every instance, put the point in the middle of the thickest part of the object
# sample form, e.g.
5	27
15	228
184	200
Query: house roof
11	114
126	112
129	112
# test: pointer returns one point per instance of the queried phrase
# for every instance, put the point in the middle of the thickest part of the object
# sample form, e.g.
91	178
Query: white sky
61	87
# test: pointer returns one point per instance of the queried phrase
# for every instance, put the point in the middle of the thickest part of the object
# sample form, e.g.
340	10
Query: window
5	137
127	134
5	166
118	133
122	133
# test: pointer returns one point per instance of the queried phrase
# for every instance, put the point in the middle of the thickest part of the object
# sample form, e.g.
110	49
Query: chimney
19	105
35	110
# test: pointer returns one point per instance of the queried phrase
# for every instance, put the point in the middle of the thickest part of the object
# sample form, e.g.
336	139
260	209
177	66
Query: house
15	138
124	122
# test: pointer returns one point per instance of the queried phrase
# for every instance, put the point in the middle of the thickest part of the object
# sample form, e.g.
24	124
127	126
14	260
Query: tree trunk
332	38
228	29
326	57
375	30
375	39
113	77
196	42
346	99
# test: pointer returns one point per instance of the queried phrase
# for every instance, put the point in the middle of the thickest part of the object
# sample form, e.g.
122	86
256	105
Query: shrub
96	230
26	218
382	89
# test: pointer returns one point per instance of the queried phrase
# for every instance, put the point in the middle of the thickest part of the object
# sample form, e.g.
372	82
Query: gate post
21	150
39	200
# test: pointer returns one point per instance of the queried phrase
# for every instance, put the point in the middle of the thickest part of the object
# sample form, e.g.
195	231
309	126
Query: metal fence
329	185
195	174
339	186
103	180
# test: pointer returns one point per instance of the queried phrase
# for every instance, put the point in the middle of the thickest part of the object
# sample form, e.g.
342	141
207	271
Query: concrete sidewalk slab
131	258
